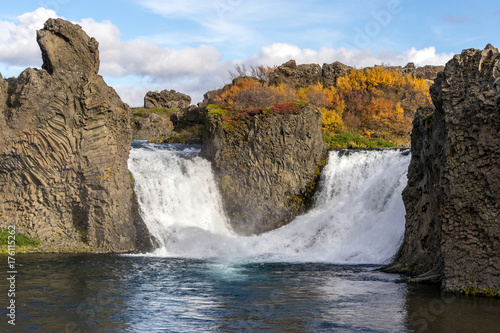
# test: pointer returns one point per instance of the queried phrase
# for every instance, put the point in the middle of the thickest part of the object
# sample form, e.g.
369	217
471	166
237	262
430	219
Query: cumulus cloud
215	74
278	53
144	58
136	66
18	46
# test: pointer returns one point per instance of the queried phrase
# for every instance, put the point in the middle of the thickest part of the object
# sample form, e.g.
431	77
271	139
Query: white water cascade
358	216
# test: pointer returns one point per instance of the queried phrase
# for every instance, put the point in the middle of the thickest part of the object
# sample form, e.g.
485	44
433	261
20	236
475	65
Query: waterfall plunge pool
317	274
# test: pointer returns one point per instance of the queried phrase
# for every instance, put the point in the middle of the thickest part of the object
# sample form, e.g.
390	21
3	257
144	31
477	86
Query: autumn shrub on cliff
247	93
372	106
380	103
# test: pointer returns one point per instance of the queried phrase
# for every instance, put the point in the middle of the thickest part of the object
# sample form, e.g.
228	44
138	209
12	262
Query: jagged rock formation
331	72
166	99
453	194
150	126
267	165
310	74
296	75
209	97
64	143
427	72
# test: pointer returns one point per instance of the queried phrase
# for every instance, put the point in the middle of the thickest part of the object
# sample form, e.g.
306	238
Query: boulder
296	75
64	145
331	72
452	198
266	163
188	117
150	126
209	97
166	99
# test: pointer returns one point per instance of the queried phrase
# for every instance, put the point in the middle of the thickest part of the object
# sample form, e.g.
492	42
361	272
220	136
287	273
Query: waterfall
358	215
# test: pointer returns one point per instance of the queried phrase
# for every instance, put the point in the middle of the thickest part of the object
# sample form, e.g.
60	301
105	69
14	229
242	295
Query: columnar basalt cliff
453	194
267	164
64	144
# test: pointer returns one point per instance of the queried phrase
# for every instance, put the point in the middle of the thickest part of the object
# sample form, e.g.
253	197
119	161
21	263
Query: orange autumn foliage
376	102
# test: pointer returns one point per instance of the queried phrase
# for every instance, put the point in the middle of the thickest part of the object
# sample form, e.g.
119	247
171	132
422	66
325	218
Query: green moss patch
351	140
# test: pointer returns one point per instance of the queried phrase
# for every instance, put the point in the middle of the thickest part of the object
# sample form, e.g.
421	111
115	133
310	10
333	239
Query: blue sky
190	45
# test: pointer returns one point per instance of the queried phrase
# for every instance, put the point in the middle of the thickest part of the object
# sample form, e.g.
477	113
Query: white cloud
144	58
428	56
18	46
136	66
278	53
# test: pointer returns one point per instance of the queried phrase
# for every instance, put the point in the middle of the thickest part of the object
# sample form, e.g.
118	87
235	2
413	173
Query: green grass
215	109
21	239
354	140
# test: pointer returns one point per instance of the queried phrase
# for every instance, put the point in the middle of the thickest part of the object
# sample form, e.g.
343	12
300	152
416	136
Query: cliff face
453	195
64	143
267	165
150	126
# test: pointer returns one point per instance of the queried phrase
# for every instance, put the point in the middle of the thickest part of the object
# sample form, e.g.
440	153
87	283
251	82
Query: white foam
358	215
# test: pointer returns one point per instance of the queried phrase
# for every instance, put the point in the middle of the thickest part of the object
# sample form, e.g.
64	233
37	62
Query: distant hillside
369	107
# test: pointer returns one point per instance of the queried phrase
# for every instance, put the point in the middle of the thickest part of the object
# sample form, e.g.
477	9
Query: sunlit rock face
64	144
453	195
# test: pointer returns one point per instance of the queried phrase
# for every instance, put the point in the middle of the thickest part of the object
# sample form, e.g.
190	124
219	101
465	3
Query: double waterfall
357	218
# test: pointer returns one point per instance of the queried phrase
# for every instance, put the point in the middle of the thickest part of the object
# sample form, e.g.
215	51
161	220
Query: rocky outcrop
295	75
452	198
427	72
331	72
267	163
150	126
64	144
188	117
306	75
166	99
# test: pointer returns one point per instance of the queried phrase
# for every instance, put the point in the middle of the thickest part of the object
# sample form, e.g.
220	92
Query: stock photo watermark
223	7
55	5
381	19
11	275
88	309
426	315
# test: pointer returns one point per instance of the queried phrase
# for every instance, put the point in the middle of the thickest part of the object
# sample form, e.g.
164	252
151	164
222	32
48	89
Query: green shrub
354	140
21	239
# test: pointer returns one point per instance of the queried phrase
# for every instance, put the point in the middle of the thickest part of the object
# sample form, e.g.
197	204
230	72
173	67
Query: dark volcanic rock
296	75
427	72
188	117
331	72
267	165
64	145
453	195
209	97
166	99
150	126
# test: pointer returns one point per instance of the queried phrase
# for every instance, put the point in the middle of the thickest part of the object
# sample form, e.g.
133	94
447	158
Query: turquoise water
316	274
109	293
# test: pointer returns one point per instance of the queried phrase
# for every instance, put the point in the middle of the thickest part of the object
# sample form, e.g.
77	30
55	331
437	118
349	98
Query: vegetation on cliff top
23	243
371	107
